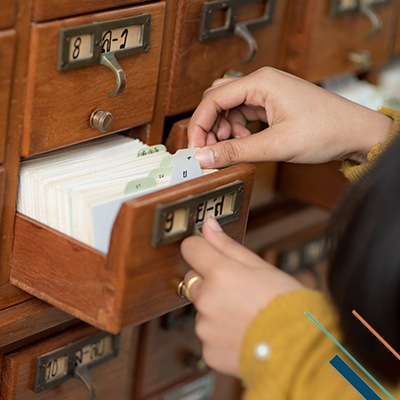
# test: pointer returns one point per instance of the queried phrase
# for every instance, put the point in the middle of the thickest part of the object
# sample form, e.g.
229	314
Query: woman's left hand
236	285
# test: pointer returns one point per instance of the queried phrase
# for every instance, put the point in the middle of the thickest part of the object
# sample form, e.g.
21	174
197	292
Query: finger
210	139
223	97
202	256
224	129
238	122
229	247
194	289
271	144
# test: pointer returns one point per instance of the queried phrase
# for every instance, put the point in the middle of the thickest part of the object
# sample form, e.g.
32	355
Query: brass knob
361	60
196	362
101	120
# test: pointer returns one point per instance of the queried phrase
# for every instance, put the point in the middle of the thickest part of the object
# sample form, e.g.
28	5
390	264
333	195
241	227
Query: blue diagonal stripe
354	360
353	378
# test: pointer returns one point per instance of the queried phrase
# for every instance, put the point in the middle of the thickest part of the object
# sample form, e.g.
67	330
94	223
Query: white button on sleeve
262	351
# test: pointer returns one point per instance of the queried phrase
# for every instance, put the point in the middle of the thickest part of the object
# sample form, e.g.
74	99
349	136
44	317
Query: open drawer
135	281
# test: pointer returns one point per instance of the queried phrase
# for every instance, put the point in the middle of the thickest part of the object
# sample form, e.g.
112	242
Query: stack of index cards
79	190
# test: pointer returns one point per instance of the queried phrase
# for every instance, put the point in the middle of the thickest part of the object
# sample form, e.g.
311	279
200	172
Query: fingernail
219	131
206	158
214	225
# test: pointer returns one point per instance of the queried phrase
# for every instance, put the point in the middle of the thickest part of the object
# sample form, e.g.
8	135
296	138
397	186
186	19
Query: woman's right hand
307	124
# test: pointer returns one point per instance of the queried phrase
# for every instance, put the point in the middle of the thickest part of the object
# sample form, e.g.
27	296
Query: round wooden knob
101	120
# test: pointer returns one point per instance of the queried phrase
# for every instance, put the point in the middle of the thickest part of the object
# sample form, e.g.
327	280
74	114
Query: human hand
307	124
236	285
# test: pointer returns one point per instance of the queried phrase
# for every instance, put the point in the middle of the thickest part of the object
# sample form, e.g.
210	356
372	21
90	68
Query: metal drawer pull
109	60
84	376
231	27
376	21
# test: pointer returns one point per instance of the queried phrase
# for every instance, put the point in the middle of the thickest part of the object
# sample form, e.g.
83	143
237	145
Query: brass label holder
74	361
179	219
104	43
231	27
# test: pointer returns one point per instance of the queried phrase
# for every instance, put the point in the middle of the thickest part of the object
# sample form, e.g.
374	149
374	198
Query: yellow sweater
285	355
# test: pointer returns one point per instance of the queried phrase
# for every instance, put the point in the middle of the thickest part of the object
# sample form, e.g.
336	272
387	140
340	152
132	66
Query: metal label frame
208	7
190	204
41	385
96	29
335	12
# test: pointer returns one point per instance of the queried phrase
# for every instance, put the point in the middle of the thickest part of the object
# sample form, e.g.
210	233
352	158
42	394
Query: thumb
262	146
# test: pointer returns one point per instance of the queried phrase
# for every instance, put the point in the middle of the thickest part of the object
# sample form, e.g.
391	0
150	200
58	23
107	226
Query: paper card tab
184	155
161	173
166	161
185	171
158	148
139	184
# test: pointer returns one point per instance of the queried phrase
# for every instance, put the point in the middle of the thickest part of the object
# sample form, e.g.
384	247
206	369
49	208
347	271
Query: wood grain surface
59	104
197	64
44	10
2	185
396	41
112	379
319	44
7	13
7	47
135	282
11	295
319	184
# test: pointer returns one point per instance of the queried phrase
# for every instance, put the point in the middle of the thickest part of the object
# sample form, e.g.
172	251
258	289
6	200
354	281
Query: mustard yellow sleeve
353	170
285	355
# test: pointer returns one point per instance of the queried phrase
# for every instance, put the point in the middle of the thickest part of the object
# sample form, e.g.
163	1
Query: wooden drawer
7	47
168	349
44	10
196	64
396	45
59	104
319	44
111	379
2	187
131	284
7	14
319	184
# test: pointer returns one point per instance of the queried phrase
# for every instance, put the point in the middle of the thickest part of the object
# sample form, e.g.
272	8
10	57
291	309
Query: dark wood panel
7	13
44	10
112	379
7	47
112	291
318	184
59	104
197	64
318	44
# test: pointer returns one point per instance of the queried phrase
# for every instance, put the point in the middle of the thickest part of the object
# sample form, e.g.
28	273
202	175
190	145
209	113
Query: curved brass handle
83	374
242	31
376	21
109	60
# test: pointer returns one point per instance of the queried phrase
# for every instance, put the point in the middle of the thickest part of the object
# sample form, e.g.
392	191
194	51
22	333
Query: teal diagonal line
348	354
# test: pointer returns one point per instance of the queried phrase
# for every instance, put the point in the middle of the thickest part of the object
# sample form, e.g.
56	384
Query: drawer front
44	10
59	104
321	45
196	64
2	187
396	45
169	352
111	379
135	281
7	45
7	14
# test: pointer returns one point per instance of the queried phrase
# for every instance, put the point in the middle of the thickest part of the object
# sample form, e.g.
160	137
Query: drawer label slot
62	364
175	221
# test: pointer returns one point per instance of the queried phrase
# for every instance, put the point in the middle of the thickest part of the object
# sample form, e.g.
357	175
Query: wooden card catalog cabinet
7	14
138	279
330	37
215	36
2	186
80	363
90	75
44	10
7	45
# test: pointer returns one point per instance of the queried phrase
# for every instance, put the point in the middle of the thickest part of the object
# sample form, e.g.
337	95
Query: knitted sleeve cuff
353	170
282	335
